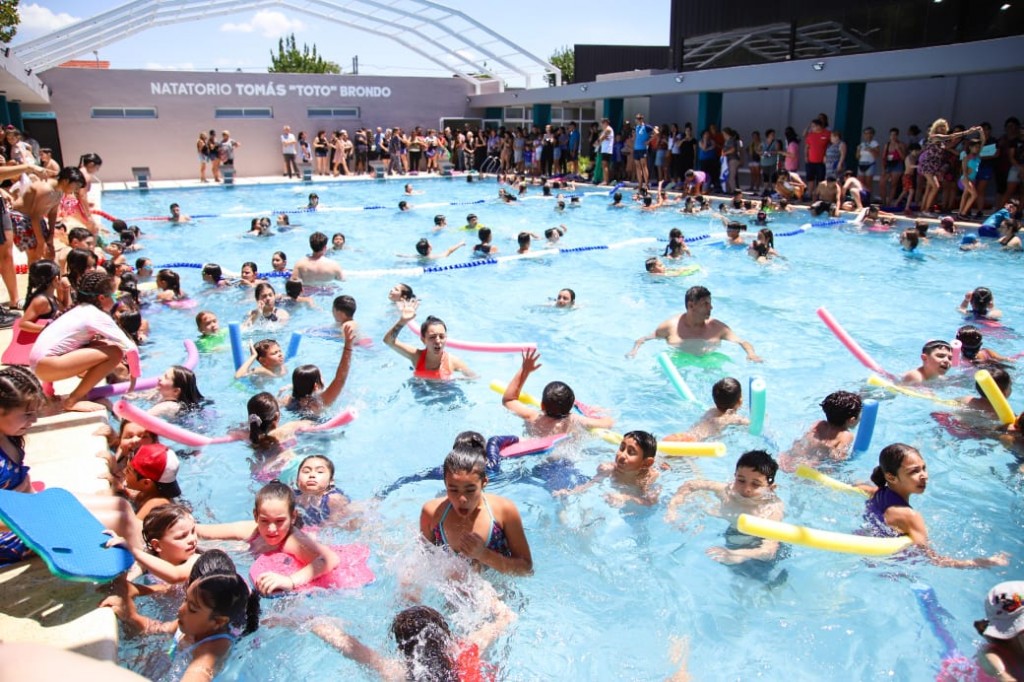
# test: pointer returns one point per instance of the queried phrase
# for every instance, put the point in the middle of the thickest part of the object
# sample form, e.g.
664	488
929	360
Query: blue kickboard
64	533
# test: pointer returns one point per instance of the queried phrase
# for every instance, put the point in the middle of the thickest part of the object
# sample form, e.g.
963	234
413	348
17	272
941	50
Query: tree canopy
565	59
9	20
290	60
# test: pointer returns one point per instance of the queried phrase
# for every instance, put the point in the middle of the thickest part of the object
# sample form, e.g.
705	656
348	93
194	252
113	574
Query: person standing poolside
695	331
606	142
642	135
226	150
289	148
316	268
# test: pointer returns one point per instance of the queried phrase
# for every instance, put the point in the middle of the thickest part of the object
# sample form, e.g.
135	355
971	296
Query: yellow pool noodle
820	539
804	471
995	396
671	448
875	380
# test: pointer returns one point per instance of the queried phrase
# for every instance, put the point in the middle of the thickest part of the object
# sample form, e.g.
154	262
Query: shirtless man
7	271
827	191
936	359
177	216
695	331
39	203
316	268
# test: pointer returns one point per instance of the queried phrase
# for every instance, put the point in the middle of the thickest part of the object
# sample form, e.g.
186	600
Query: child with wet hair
971	340
632	472
557	401
727	394
980	304
981	402
269	359
830	439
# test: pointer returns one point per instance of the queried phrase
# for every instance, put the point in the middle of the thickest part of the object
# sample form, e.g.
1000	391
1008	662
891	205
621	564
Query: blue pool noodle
293	346
868	415
235	333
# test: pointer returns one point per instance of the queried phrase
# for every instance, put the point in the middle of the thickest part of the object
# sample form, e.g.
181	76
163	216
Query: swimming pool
612	587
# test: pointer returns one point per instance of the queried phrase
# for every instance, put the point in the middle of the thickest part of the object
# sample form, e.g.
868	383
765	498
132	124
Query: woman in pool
279	261
178	393
401	292
248	276
485	528
566	298
676	245
267	310
432	362
901	472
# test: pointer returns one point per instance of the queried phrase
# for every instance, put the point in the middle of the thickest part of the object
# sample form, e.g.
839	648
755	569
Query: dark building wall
592	60
883	24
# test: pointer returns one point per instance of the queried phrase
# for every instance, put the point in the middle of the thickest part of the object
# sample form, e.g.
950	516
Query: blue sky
244	40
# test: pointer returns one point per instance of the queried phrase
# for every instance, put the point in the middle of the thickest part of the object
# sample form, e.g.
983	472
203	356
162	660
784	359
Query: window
513	113
124	112
238	112
332	112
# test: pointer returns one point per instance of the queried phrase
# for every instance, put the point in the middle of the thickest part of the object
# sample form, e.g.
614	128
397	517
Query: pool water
614	589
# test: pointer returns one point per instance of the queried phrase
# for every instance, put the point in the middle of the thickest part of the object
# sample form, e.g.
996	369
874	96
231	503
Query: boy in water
632	472
752	492
827	439
981	402
555	414
936	359
727	394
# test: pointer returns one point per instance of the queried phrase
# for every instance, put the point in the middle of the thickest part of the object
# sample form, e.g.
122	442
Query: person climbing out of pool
828	439
484	528
267	310
632	472
273	528
695	331
752	491
84	342
727	395
429	650
556	404
902	472
981	402
971	340
1002	656
936	359
980	304
266	360
432	362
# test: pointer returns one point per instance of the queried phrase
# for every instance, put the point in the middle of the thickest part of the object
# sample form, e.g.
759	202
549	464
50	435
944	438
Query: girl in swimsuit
266	311
485	528
273	530
168	282
41	303
429	649
901	472
432	362
317	499
218	608
178	393
309	395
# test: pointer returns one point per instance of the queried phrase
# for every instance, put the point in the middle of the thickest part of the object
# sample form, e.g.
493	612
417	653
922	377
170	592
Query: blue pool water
613	588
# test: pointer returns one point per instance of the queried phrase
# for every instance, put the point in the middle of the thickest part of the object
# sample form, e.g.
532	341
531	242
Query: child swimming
971	340
727	395
270	358
632	472
829	439
316	498
178	393
752	491
267	311
273	529
557	401
980	304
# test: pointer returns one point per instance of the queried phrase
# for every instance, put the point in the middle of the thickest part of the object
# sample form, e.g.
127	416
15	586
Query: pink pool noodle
848	341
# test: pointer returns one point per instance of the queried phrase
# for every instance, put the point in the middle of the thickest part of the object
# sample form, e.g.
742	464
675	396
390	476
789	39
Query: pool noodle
995	396
293	346
820	539
758	405
341	419
524	397
481	347
146	383
868	415
889	386
675	378
671	448
957	348
235	333
848	341
804	471
126	411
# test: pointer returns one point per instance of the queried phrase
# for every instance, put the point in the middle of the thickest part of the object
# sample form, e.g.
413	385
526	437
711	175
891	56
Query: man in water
695	331
316	268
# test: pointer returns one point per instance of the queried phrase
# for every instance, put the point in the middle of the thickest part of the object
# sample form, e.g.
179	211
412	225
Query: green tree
9	20
289	60
565	59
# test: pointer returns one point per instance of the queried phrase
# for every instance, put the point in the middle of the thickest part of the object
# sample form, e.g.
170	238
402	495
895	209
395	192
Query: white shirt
76	329
608	140
288	144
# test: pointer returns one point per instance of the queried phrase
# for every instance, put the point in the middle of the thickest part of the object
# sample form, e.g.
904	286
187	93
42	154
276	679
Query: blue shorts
639	154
